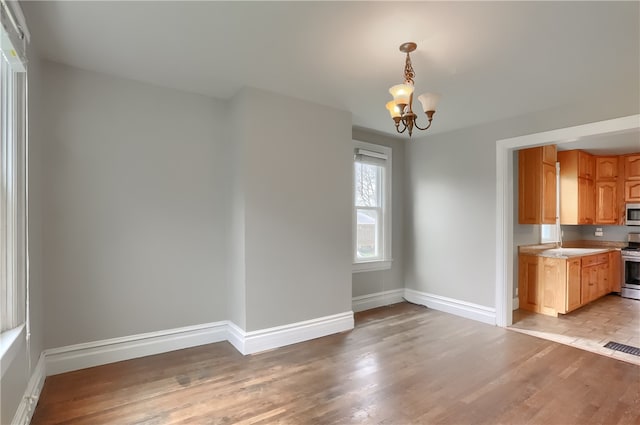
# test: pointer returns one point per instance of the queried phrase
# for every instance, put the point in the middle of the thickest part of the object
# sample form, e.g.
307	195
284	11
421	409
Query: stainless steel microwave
633	215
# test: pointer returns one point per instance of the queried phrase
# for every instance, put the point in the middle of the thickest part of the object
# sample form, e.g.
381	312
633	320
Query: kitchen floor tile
611	318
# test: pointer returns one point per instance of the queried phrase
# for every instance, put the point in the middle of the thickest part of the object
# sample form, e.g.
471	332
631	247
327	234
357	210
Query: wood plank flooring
611	318
403	364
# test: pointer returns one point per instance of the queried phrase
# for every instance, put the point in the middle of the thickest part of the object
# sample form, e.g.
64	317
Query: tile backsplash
610	233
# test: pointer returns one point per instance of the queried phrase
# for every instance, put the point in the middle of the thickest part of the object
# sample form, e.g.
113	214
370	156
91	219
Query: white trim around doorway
504	196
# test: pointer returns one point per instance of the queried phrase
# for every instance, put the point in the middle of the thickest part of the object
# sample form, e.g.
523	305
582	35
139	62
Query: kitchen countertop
571	249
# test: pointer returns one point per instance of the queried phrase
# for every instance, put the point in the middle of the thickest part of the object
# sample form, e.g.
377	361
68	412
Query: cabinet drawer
592	260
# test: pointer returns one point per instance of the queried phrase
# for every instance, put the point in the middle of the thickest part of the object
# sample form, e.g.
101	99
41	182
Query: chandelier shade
393	109
401	93
401	108
429	101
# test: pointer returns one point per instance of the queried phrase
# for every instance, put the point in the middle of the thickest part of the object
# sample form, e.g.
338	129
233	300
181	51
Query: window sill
10	343
371	266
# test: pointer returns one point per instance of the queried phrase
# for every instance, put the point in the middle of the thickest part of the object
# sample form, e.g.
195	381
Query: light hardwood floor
403	364
611	318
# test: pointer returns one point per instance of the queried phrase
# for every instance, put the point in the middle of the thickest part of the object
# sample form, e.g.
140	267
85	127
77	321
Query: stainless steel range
631	268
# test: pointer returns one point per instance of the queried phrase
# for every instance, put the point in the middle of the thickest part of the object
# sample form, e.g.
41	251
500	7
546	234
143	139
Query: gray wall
365	283
297	160
14	382
236	236
135	183
451	199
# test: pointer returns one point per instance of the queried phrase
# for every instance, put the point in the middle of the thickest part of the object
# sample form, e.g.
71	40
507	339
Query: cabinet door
615	266
586	199
529	186
606	202
606	167
552	285
589	284
528	283
632	167
548	193
585	165
549	154
603	280
632	191
573	285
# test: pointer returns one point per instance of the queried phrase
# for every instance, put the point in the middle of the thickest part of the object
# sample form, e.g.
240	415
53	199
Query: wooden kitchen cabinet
577	190
528	298
606	202
549	193
603	287
585	212
573	285
585	164
606	167
553	272
595	277
551	285
615	270
632	167
589	284
606	190
537	185
632	191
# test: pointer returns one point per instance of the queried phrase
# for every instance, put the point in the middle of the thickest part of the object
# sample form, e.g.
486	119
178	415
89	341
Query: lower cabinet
615	272
589	284
550	285
574	290
553	278
528	297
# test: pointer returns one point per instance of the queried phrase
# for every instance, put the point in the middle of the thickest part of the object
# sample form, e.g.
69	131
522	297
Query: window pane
368	180
549	233
367	234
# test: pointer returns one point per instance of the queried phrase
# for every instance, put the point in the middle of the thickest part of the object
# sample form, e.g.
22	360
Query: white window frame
387	259
13	207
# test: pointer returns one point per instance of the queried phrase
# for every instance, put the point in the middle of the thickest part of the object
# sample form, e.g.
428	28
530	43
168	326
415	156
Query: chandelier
400	107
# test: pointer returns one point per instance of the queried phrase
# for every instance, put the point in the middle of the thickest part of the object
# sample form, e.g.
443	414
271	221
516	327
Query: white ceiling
489	60
611	144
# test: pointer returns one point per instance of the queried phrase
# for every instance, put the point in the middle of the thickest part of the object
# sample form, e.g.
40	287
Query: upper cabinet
606	202
606	168
537	185
606	195
632	191
632	167
576	187
631	188
585	165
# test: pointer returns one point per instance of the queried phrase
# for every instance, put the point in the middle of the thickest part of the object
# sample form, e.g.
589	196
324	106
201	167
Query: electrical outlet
516	292
599	231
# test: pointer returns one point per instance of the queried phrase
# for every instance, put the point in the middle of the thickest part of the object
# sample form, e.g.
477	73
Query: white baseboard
279	336
27	405
379	299
236	336
80	356
453	306
516	303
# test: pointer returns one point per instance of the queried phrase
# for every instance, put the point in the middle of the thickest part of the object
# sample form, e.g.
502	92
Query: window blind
370	157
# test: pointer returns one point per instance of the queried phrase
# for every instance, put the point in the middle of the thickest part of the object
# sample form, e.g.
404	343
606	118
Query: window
372	207
549	233
13	198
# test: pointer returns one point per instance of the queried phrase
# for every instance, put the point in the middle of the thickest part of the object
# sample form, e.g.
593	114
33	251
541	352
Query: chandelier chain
408	71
